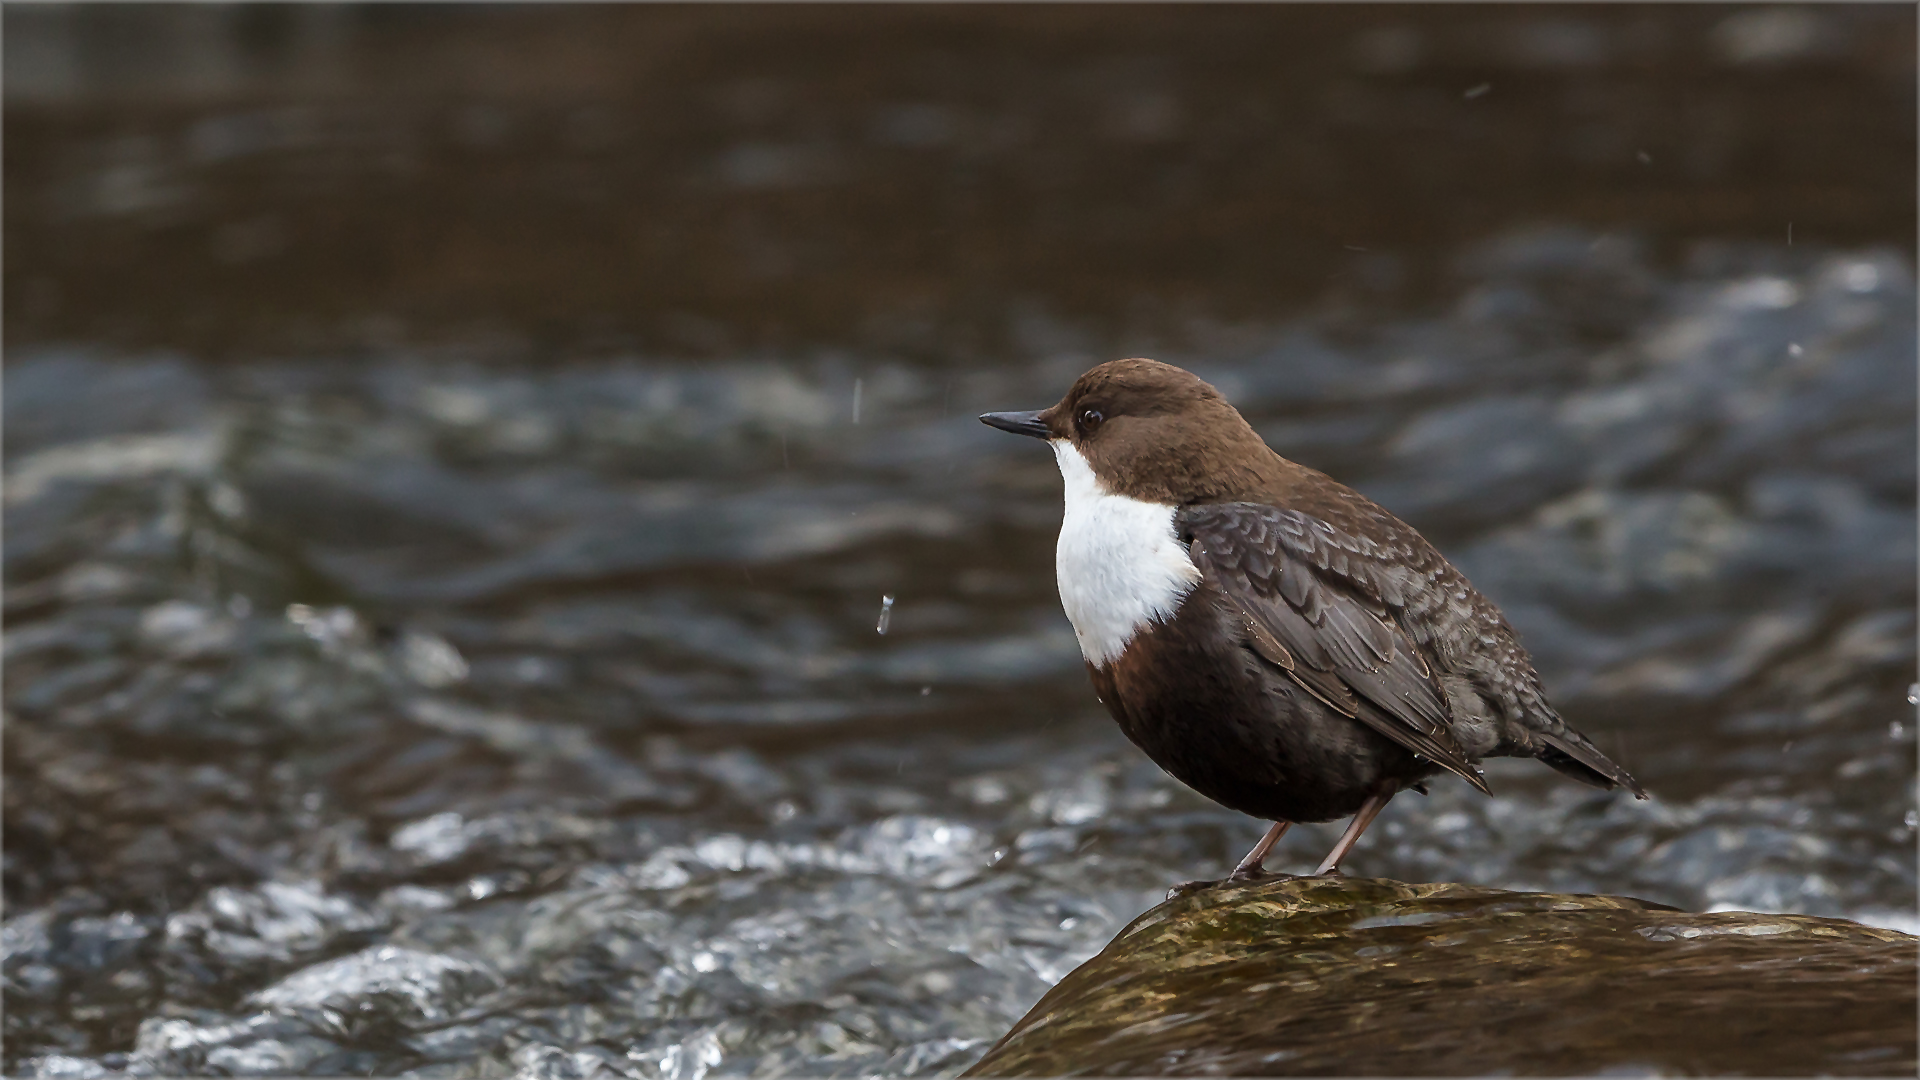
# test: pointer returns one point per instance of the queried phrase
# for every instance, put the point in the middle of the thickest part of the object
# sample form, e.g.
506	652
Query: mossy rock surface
1351	977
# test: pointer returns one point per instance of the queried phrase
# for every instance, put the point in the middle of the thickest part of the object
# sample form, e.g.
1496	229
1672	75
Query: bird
1268	636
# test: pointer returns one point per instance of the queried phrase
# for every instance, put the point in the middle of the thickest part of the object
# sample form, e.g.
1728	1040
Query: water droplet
1913	694
886	613
1794	349
926	690
858	385
1477	91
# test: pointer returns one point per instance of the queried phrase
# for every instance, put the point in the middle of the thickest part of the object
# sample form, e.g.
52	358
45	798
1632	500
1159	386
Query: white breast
1119	563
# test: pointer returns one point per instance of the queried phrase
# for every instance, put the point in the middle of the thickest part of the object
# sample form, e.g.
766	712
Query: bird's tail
1571	753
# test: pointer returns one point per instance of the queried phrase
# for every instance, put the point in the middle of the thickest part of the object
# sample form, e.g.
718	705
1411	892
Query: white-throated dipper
1270	637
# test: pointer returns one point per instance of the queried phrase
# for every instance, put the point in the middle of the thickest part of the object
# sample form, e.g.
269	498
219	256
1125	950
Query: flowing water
578	709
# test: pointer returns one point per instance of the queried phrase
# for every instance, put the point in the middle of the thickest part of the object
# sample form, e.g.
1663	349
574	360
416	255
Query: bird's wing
1314	610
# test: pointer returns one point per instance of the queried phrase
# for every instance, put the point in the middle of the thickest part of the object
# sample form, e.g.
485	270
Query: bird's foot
1238	877
1188	888
1244	877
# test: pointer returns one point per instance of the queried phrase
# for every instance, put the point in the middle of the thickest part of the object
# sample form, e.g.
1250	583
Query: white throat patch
1119	564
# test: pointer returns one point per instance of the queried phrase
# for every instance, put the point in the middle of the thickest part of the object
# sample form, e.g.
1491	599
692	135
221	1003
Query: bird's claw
1238	877
1245	877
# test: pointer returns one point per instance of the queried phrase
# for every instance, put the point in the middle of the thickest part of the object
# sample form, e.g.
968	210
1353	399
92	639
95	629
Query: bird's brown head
1154	432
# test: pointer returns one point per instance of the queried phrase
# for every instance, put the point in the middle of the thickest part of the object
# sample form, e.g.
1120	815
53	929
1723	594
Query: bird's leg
1369	810
1248	869
1250	866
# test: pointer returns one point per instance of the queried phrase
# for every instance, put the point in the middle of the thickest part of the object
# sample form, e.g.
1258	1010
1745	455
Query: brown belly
1235	729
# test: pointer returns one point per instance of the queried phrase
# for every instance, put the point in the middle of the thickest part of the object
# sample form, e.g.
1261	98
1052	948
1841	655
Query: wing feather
1291	577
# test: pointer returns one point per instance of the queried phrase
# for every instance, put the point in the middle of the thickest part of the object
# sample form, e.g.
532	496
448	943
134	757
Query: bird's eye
1090	419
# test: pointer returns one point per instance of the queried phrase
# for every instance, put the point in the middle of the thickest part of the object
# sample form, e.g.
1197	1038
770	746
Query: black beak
1020	423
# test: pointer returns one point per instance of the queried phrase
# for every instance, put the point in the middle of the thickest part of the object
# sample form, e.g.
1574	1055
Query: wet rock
1319	977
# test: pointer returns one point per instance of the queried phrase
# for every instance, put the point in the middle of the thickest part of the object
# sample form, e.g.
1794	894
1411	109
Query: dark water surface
450	501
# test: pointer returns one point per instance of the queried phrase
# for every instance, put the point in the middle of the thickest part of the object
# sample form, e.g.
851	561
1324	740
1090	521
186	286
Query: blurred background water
455	458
